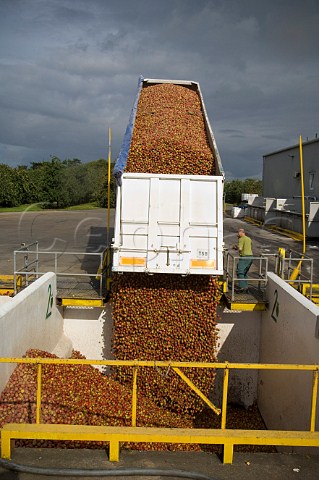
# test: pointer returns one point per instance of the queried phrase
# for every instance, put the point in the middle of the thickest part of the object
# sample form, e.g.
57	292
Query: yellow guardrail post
225	391
228	447
314	401
109	186
134	396
114	452
39	392
297	270
302	197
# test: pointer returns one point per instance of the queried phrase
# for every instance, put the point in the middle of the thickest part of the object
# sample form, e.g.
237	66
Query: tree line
234	189
63	183
56	183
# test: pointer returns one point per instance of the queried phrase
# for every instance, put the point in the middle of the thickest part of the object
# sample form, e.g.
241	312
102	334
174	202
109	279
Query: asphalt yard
72	243
72	234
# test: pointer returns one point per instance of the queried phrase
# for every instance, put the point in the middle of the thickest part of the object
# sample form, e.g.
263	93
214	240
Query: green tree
26	186
71	162
235	188
51	183
253	185
102	199
55	183
76	184
9	190
96	172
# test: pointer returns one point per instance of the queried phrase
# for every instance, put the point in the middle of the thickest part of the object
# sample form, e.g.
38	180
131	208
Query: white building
282	176
281	204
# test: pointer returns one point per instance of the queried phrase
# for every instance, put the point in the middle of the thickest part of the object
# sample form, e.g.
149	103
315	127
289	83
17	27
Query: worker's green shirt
244	246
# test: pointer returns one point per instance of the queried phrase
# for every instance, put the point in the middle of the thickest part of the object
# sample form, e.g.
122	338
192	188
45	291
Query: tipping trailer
168	223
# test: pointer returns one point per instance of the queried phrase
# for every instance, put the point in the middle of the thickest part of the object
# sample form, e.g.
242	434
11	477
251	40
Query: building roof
292	147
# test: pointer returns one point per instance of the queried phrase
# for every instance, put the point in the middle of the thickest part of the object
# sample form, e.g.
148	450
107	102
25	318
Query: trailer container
168	223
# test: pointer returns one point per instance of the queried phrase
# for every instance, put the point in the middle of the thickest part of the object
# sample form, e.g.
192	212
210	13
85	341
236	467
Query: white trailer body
169	224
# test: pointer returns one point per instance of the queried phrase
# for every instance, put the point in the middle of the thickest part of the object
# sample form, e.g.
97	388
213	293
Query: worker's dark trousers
244	264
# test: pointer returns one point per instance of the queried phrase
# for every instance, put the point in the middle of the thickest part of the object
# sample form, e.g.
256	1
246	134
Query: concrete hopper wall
91	331
31	320
289	334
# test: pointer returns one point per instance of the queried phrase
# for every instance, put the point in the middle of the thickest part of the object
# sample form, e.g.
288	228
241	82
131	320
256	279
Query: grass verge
38	207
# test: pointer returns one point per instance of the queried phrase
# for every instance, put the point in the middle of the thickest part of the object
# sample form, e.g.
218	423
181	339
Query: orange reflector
140	262
202	263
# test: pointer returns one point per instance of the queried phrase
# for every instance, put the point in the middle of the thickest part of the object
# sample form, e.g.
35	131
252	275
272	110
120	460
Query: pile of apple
166	317
79	395
169	133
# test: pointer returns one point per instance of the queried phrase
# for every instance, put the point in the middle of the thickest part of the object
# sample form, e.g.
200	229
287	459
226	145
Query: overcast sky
69	71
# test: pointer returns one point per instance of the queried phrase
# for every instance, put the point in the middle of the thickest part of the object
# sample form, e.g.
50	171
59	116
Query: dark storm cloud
69	71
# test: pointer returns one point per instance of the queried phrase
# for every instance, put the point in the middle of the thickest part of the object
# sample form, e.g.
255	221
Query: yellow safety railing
176	367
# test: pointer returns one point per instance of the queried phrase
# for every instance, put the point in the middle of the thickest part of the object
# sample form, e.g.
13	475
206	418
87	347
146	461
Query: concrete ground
246	466
56	231
69	242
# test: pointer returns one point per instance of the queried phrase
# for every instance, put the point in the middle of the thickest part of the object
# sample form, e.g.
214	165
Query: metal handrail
283	267
25	249
56	254
231	267
287	269
135	364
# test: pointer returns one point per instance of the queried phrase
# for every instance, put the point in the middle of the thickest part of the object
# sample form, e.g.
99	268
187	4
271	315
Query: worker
245	261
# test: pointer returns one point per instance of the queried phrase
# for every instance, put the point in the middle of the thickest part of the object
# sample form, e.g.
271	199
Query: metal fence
29	263
292	267
257	275
295	269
